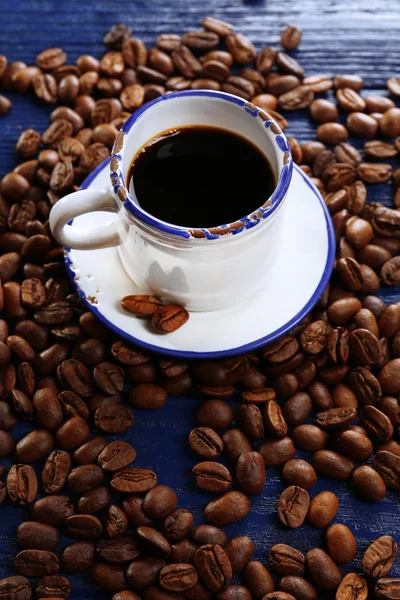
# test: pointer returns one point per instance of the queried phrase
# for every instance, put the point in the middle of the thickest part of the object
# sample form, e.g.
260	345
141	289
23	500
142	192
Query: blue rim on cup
258	215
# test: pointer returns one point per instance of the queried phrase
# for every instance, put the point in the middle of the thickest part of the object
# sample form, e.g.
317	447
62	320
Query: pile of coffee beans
330	388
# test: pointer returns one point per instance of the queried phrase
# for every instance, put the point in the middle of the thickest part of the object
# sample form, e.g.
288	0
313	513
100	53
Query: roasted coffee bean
332	133
34	446
84	478
73	405
91	352
89	452
323	111
297	408
298	587
240	47
374	172
250	473
293	506
229	508
114	521
239	551
15	588
6	444
32	534
116	455
113	419
353	444
354	82
93	501
153	541
213	566
386	588
318	391
278	85
258	579
389	124
178	577
160	502
147	396
388	466
310	438
324	573
83	527
177	525
331	464
276	452
51	586
379	557
183	551
74	375
55	471
22	405
206	442
109	577
290	37
118	551
36	563
286	560
22	485
274	420
391	408
341	543
72	433
170	317
250	420
234	592
48	411
212	477
208	534
134	480
215	414
299	472
235	443
77	557
144	572
323	508
109	378
298	98
352	586
20	348
376	423
365	386
8	417
336	418
390	272
144	373
52	510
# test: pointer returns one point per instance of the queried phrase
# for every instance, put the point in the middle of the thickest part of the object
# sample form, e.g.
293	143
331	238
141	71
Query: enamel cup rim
259	215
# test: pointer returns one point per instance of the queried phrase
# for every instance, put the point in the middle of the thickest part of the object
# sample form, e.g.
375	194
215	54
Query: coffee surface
199	176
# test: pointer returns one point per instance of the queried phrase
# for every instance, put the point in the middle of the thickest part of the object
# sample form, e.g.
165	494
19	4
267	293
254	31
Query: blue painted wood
338	37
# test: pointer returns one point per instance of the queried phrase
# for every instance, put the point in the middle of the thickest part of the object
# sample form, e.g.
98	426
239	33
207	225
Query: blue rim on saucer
254	345
253	219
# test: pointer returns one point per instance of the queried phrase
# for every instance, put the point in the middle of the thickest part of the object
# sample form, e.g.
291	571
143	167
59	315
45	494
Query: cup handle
79	203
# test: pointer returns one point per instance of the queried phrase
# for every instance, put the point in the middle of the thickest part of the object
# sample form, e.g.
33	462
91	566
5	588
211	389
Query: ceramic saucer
296	282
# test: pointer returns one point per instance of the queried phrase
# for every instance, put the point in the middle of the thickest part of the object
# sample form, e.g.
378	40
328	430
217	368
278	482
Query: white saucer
296	282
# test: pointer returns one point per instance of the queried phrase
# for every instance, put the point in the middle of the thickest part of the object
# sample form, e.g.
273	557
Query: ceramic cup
202	269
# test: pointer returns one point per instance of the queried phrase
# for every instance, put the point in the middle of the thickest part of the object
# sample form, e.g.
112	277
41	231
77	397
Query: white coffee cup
201	269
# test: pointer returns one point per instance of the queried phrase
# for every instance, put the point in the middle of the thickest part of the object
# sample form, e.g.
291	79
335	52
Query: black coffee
200	176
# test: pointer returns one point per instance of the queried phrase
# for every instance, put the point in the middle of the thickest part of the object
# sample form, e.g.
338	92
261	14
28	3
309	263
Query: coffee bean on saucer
169	318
